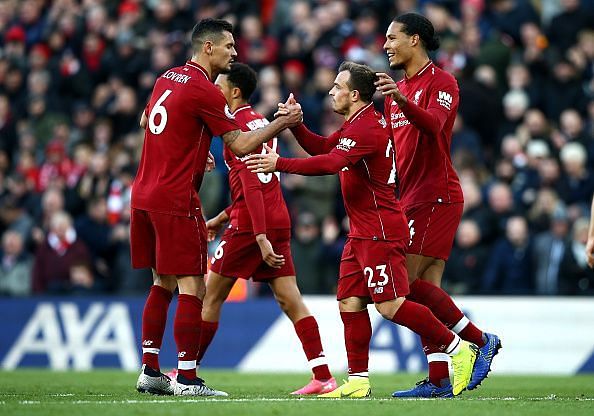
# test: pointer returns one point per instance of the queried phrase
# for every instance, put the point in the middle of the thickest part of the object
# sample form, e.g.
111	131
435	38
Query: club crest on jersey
345	144
382	122
228	112
444	99
417	96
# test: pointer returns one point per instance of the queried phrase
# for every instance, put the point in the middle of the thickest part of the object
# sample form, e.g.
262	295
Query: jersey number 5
159	109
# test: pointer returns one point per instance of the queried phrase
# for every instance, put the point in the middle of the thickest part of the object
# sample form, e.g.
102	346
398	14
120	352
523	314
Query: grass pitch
38	392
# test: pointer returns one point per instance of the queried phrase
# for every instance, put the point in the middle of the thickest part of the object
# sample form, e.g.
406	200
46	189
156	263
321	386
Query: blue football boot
482	366
425	390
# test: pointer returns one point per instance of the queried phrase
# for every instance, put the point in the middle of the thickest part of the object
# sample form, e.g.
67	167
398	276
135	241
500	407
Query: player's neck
355	108
204	64
416	63
235	104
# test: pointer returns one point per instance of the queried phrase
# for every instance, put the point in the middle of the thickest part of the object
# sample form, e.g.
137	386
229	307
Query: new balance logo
444	99
147	343
346	144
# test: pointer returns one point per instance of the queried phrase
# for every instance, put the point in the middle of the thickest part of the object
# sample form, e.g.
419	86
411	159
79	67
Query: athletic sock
357	336
444	308
154	318
308	332
186	331
439	364
418	318
207	333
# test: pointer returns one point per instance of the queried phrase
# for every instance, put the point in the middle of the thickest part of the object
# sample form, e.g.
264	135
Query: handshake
290	109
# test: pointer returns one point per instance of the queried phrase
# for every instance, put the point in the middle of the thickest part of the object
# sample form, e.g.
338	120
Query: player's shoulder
442	77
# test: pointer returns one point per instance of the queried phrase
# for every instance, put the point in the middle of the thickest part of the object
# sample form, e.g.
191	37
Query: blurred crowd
76	75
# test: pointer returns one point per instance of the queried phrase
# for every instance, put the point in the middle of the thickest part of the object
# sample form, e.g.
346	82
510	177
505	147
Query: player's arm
590	243
443	99
327	164
214	225
143	120
313	143
241	143
254	199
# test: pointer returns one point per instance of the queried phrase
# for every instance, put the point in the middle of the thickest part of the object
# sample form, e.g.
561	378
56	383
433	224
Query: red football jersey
422	133
362	147
185	110
258	202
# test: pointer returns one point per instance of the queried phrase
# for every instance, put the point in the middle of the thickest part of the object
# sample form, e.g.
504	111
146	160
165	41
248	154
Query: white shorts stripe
186	365
150	350
461	325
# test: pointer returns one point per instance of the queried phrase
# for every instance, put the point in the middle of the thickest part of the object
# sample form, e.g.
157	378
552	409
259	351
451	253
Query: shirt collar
420	72
359	112
199	68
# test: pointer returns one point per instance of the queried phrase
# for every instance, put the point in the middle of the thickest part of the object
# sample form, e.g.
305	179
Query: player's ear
414	40
355	96
236	92
207	47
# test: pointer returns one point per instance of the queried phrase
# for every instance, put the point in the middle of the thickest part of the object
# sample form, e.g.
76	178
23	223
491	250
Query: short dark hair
416	24
362	79
242	77
209	29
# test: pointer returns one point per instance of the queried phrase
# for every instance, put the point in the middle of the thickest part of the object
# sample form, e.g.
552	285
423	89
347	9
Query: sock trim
186	365
316	362
462	323
454	346
361	374
151	350
437	356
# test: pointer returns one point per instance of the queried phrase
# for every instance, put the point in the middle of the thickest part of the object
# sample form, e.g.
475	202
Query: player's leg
217	290
286	293
181	243
433	227
353	298
154	316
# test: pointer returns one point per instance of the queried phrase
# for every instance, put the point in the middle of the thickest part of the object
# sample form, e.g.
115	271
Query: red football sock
309	335
186	331
444	308
439	364
418	318
207	333
154	318
357	336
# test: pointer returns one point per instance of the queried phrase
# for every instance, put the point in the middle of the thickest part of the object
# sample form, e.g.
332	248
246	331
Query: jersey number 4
159	109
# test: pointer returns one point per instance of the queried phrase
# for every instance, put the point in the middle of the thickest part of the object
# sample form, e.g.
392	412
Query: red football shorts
169	244
238	255
375	269
432	228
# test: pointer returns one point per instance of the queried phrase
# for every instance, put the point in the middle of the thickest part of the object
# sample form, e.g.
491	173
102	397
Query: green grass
38	392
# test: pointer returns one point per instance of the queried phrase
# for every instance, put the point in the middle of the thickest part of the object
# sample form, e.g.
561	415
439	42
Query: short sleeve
214	112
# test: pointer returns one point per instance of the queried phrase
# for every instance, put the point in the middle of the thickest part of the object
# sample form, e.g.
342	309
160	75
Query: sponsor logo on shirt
345	144
399	120
444	99
417	96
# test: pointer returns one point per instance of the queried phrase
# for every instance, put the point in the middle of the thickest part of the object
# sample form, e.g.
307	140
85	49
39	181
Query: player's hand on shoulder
262	163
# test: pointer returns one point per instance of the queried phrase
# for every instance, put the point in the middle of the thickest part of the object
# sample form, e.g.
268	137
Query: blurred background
75	76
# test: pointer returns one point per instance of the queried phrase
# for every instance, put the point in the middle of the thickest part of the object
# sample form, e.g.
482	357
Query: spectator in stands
62	262
577	185
509	268
15	269
306	248
465	266
549	248
577	278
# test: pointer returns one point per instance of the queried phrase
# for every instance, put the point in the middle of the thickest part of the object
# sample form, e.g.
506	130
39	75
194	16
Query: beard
397	65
